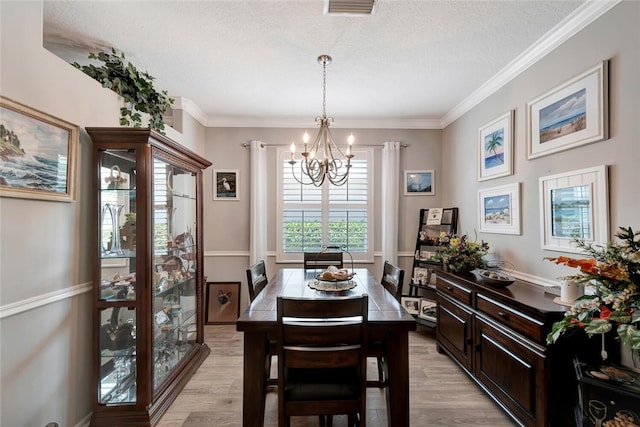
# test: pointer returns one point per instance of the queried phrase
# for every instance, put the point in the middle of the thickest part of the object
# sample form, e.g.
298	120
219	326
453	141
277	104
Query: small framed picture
427	310
419	183
495	148
499	209
411	304
574	205
225	184
572	114
223	302
421	275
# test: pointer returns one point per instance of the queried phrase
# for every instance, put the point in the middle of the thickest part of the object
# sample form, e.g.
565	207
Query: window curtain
258	217
390	200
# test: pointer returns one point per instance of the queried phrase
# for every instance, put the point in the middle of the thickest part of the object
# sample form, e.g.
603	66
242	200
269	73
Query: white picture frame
570	115
495	148
419	183
574	205
499	209
226	184
411	304
428	310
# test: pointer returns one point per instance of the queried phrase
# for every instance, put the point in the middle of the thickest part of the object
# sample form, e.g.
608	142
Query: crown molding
564	30
305	122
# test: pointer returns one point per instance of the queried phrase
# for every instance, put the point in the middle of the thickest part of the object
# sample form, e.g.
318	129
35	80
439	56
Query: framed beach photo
225	185
495	148
38	154
574	205
499	209
419	183
570	115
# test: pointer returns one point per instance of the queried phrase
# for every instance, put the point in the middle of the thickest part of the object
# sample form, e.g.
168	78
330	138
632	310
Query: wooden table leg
254	384
398	368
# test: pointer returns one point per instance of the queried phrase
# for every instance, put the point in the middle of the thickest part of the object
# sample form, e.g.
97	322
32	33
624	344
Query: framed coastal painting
495	148
499	209
225	184
570	115
38	154
574	205
419	183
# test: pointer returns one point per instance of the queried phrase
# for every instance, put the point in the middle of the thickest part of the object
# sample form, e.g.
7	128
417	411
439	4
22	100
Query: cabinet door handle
502	314
449	288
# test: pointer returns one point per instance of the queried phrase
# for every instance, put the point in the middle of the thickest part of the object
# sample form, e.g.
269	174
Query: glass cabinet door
175	268
117	292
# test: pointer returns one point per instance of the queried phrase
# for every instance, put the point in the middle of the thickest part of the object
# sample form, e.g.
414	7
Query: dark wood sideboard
497	336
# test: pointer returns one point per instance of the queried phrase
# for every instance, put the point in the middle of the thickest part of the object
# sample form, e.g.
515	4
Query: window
310	217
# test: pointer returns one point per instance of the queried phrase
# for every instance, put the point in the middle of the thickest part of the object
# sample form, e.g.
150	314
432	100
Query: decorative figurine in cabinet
148	275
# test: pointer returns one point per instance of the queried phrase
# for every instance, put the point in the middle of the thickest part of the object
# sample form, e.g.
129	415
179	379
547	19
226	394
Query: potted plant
135	87
613	273
459	253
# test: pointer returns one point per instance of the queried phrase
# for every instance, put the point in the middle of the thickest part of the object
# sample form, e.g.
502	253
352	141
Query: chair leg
381	376
322	420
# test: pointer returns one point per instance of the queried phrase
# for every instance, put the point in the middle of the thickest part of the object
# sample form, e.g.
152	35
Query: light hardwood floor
441	394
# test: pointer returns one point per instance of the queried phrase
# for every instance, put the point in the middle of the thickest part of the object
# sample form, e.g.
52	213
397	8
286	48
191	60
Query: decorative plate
493	277
349	276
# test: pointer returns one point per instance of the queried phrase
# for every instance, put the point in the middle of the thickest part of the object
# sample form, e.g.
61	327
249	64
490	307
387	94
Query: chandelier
319	162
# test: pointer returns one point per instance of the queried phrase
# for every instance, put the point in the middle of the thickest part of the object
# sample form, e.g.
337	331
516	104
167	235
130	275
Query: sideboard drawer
453	290
515	320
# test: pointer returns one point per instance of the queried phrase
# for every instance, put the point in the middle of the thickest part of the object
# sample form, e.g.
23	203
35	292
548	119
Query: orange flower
588	265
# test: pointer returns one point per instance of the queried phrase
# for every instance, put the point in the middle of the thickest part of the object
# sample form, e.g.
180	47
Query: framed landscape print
572	114
499	209
225	184
495	148
419	183
574	205
38	154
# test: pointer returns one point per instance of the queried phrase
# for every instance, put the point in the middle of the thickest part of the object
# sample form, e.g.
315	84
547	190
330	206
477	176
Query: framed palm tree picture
495	148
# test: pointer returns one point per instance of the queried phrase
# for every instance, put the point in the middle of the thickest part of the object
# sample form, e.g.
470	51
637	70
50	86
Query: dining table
387	321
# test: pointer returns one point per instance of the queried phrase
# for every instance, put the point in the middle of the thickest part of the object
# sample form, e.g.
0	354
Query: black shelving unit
429	228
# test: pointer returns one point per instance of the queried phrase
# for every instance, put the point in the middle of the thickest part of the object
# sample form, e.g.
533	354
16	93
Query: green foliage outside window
307	236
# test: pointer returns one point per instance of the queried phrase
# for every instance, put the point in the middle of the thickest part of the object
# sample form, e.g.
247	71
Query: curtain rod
246	144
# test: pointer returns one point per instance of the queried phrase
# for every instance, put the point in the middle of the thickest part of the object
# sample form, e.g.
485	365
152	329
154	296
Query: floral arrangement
460	253
614	272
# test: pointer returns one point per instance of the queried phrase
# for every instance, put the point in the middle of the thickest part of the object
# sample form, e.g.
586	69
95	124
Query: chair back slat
392	279
322	260
257	279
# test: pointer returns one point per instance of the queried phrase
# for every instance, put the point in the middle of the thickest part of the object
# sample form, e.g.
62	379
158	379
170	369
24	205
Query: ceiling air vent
350	7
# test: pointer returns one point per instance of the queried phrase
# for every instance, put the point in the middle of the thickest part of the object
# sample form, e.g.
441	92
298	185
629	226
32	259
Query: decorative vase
116	246
629	357
570	291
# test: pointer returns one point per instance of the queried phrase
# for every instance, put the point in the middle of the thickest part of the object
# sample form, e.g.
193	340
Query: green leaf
598	326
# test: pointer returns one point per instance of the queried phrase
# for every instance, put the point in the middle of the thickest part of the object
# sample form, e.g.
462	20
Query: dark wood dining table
387	319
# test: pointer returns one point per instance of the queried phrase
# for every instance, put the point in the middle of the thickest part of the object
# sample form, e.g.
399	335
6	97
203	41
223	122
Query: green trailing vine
135	87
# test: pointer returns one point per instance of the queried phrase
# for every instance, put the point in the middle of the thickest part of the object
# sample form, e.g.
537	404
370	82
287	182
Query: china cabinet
148	280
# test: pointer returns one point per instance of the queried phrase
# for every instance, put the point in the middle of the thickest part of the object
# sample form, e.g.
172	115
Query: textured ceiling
252	62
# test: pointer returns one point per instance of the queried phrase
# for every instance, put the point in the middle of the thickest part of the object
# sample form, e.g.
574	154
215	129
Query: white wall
614	36
45	264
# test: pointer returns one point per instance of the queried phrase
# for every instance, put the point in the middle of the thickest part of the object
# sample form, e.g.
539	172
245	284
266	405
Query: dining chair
322	260
322	365
392	280
257	280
